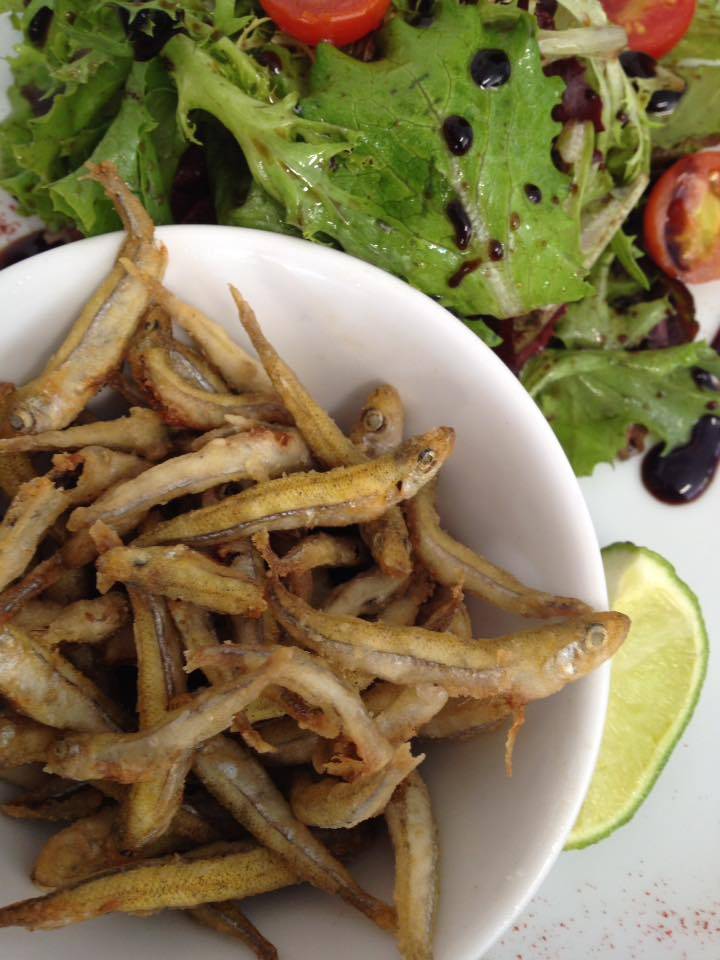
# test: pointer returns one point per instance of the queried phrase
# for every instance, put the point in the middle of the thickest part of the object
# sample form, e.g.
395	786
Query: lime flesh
656	680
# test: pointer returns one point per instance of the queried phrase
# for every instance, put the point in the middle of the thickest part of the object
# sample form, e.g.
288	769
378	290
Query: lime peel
656	680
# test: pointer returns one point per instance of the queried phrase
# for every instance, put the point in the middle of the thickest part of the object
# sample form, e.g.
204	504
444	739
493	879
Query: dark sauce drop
458	135
684	474
663	102
39	25
470	266
533	193
705	380
496	250
461	224
148	31
490	69
636	64
562	165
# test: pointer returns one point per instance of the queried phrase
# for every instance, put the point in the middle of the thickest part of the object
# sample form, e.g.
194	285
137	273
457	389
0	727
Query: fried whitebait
24	741
94	351
340	497
133	757
439	613
367	593
292	746
409	711
413	833
525	666
310	678
316	550
90	846
452	563
176	882
241	784
185	404
75	478
181	574
141	432
228	918
334	804
258	454
37	615
238	369
263	631
15	468
44	686
37	581
59	802
86	621
197	631
382	422
36	507
194	368
463	717
149	808
386	536
403	610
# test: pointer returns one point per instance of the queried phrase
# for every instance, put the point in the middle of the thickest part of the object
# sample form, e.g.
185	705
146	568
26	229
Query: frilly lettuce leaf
397	106
145	145
695	122
362	160
593	397
599	322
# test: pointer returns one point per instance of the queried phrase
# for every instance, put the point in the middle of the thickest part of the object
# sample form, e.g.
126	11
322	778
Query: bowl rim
315	257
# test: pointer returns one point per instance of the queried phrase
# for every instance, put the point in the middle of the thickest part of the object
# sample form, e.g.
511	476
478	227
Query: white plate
508	490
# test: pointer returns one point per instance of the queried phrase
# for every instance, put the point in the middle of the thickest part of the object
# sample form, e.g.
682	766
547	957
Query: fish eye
426	459
22	420
373	420
596	636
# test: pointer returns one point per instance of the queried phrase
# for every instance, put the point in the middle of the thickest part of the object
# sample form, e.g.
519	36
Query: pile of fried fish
225	624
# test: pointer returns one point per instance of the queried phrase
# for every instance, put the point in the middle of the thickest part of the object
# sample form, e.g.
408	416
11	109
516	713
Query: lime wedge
656	680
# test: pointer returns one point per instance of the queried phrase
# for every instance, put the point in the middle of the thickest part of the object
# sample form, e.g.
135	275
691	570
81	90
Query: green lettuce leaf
598	323
144	143
593	397
365	164
64	98
702	41
83	97
695	122
398	105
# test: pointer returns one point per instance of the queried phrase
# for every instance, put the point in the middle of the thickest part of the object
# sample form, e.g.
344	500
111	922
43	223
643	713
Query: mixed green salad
497	156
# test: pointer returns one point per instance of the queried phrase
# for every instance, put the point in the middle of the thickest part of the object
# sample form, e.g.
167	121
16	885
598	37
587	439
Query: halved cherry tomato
653	26
337	21
682	219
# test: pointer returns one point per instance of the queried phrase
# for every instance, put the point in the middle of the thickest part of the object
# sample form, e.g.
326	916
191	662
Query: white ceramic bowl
508	491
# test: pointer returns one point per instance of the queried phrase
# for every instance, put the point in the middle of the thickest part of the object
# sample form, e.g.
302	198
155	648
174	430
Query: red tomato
337	21
682	219
653	26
